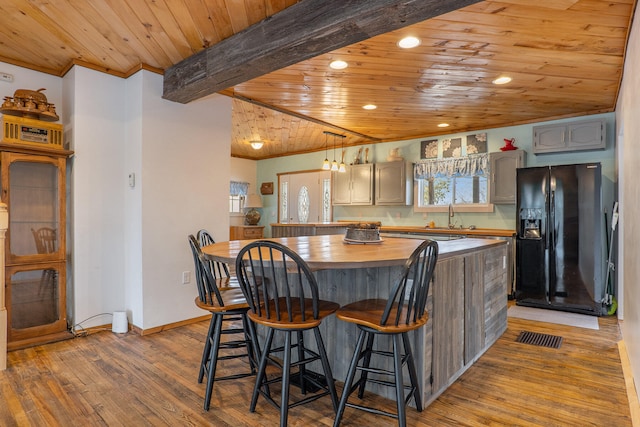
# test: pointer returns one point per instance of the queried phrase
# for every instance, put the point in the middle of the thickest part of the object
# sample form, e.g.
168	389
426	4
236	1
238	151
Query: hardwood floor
107	379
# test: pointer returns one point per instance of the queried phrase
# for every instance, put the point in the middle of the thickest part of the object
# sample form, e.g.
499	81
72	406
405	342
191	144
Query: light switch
132	180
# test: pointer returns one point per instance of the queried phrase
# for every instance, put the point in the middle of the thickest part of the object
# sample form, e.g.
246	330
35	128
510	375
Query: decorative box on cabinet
34	189
244	232
571	136
353	187
391	185
503	175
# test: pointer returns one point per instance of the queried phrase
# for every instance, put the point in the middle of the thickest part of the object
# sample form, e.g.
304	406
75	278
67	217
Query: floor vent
543	340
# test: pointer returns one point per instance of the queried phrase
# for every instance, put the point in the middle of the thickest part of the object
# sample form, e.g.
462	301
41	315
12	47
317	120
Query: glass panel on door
34	298
33	208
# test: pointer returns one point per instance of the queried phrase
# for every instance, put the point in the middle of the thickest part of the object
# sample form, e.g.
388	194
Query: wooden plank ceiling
565	58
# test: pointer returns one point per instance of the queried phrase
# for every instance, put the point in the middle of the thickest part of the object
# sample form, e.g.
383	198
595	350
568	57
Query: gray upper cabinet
354	187
391	184
571	136
503	175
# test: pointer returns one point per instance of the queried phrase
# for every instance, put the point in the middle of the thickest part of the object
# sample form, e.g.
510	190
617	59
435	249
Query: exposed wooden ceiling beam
302	31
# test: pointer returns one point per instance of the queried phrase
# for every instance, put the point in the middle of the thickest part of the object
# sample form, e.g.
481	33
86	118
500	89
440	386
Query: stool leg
261	369
207	349
365	364
397	367
249	340
411	365
303	367
286	374
327	369
213	360
349	379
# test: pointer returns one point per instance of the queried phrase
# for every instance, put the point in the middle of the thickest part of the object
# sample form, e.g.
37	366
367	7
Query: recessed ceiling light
409	42
443	125
256	145
369	107
501	80
338	64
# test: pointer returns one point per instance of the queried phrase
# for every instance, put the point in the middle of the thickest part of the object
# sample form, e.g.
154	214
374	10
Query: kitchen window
461	182
237	196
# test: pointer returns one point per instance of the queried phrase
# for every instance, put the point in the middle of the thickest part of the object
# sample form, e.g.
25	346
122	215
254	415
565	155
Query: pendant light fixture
334	164
325	165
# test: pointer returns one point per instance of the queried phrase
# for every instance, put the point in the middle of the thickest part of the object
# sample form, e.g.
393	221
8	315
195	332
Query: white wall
95	131
628	125
130	243
185	187
133	201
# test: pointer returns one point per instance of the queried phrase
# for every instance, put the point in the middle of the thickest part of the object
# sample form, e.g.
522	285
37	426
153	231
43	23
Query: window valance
476	164
239	188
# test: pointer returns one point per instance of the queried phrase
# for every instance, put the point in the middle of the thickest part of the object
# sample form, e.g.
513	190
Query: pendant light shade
325	165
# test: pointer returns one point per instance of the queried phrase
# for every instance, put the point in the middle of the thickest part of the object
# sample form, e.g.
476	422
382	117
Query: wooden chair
45	239
226	304
46	243
403	311
283	297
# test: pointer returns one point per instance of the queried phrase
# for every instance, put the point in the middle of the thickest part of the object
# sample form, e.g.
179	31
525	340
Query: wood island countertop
331	252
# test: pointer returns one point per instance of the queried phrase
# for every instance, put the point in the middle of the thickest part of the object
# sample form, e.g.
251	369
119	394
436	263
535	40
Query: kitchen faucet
451	216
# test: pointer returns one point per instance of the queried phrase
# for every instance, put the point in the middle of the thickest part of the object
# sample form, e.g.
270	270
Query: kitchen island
467	302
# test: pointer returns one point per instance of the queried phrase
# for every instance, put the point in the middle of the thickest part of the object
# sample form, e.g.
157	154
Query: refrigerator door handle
551	226
546	221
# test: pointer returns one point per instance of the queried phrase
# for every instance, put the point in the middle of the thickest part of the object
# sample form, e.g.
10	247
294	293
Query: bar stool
286	301
403	311
220	270
226	304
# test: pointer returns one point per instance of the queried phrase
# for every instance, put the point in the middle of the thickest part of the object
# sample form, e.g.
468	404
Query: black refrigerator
559	259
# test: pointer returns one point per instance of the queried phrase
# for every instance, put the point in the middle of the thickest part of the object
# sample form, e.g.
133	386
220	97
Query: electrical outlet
186	277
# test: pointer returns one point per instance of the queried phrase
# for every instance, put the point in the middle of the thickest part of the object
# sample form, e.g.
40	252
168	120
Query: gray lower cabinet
502	186
570	136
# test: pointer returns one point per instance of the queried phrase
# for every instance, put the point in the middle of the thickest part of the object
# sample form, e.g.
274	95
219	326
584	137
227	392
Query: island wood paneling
474	282
448	321
495	288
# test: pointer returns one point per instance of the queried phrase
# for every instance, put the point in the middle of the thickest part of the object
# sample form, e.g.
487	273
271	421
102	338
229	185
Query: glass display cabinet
33	185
